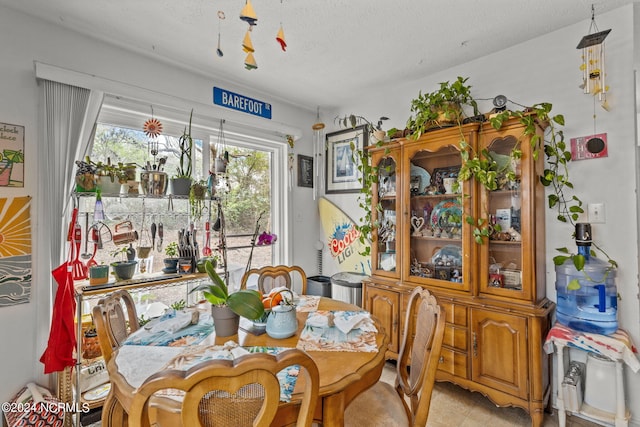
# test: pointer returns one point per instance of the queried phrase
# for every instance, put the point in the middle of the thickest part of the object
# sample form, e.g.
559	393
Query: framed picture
305	171
343	174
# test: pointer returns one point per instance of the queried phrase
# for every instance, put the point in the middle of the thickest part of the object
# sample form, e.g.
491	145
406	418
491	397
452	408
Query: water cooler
587	299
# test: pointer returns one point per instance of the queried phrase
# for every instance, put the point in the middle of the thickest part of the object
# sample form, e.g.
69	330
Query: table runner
617	346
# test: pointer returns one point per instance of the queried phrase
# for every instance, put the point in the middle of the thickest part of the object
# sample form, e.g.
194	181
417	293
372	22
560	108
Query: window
246	192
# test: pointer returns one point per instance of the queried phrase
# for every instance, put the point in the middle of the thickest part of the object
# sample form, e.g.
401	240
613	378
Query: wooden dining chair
270	277
240	392
112	326
384	405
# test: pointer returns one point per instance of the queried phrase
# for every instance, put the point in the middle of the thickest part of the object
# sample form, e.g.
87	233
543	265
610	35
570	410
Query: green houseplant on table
227	307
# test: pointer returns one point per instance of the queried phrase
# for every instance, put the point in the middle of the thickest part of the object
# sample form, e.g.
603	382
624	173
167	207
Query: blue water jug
593	306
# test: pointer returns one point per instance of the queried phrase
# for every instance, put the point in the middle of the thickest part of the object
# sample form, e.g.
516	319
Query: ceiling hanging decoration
280	36
250	62
248	14
220	19
593	62
318	149
152	127
247	45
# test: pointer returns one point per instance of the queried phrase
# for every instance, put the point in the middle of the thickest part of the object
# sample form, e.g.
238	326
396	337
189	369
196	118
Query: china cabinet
493	293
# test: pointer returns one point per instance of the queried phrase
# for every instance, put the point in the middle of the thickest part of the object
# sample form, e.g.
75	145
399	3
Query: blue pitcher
282	321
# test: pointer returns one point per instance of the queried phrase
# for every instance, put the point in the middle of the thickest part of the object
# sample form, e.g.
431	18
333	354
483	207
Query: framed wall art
305	171
343	174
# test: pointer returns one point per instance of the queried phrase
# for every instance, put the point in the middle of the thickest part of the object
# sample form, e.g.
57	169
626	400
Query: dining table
345	370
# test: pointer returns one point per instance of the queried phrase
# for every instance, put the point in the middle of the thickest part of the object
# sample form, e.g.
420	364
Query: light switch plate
596	213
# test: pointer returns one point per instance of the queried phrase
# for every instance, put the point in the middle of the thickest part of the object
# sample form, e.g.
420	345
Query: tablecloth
617	346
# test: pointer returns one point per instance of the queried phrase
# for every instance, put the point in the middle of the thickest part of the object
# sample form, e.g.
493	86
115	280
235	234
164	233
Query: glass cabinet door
384	214
438	243
503	260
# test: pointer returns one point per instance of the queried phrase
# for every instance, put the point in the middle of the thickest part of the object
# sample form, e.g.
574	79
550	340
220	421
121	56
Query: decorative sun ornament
152	128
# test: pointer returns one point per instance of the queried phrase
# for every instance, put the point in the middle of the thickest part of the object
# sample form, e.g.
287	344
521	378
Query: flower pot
170	265
98	274
202	261
180	186
225	321
107	186
124	270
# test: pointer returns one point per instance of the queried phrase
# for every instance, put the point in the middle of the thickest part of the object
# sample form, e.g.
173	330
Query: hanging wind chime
594	77
593	62
249	16
220	19
318	149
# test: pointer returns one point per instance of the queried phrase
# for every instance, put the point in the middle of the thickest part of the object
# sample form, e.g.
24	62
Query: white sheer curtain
69	119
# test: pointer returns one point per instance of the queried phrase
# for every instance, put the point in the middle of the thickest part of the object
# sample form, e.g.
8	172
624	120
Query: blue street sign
241	103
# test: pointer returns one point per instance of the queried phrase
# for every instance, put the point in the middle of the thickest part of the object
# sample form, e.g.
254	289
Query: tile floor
454	406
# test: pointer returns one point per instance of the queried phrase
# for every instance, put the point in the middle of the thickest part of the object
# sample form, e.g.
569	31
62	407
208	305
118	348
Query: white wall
24	328
546	70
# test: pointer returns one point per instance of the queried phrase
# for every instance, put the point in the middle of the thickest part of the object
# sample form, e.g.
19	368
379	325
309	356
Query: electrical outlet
596	213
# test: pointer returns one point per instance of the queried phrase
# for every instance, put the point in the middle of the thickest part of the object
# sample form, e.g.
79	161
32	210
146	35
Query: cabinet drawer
453	362
455	313
455	337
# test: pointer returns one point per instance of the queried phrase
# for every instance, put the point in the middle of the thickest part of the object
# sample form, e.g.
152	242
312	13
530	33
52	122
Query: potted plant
197	194
352	120
171	263
226	307
442	107
126	268
181	182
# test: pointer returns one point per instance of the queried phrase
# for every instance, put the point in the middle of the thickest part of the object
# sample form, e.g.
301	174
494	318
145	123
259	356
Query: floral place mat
230	350
338	331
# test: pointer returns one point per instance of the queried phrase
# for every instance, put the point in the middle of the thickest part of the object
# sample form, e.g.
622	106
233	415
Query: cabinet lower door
384	304
499	351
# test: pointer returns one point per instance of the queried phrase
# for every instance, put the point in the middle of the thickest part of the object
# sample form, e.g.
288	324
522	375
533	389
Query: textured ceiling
336	48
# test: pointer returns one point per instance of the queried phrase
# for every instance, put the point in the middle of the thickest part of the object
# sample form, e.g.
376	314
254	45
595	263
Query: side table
616	347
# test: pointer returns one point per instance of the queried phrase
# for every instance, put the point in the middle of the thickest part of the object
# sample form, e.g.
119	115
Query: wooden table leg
333	410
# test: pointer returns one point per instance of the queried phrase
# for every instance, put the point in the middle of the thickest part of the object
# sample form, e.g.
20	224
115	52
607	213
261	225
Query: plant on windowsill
124	269
171	263
181	182
227	307
197	195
